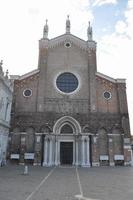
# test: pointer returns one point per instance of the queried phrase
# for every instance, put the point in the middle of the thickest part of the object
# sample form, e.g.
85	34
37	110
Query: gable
60	40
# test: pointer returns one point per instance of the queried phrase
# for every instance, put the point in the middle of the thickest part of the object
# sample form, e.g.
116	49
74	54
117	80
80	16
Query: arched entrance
66	144
67	128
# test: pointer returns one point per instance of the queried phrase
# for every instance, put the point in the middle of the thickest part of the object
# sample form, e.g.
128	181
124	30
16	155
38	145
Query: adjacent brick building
65	112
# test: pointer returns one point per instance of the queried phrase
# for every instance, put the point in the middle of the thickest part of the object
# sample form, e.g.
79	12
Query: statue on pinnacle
68	25
45	31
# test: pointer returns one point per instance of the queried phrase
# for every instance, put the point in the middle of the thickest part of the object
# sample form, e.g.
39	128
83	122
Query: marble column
77	156
50	152
56	152
45	163
83	151
88	153
74	152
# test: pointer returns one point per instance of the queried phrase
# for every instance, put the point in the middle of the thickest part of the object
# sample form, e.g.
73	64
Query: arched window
67	129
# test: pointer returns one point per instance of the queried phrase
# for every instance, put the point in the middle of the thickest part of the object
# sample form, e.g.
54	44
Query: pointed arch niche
103	147
67	125
103	142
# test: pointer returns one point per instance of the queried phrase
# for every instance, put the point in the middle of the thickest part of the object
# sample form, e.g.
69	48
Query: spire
68	25
89	32
45	30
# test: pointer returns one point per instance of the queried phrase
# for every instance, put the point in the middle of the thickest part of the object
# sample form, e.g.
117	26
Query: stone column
50	152
88	153
45	158
77	153
111	153
56	151
74	152
83	151
22	147
37	150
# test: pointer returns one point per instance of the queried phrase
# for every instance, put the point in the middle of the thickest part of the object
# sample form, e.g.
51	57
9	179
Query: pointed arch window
66	129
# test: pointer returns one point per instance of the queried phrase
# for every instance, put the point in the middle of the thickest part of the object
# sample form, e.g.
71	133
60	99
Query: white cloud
22	26
115	53
103	2
120	27
129	19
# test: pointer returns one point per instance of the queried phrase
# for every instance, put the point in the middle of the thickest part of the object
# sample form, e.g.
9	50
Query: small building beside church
65	112
5	108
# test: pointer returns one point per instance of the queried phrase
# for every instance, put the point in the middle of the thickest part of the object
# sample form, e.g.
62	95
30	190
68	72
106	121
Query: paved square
66	183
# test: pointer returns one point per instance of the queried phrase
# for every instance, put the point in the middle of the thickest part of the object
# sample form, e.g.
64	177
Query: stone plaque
118	157
104	157
14	156
29	156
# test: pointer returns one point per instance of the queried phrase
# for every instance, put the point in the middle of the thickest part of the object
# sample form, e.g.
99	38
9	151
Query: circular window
67	82
27	92
68	44
107	95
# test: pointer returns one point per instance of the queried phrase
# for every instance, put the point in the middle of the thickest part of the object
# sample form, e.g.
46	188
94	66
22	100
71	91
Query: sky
22	23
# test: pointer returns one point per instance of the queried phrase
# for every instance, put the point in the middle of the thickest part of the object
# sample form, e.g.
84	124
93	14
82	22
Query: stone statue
68	25
89	32
45	31
1	63
7	72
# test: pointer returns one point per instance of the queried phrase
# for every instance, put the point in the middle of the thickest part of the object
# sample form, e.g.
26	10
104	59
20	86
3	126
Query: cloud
120	27
22	26
115	53
119	44
103	2
129	19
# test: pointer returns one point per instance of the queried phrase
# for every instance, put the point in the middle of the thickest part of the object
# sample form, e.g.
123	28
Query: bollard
25	170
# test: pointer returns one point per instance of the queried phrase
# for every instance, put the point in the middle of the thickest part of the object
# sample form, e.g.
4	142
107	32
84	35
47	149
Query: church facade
67	113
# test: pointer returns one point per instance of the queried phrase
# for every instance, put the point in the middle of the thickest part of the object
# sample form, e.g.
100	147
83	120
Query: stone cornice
57	41
15	77
110	78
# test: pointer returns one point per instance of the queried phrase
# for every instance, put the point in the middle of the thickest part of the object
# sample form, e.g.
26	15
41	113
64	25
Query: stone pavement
66	183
